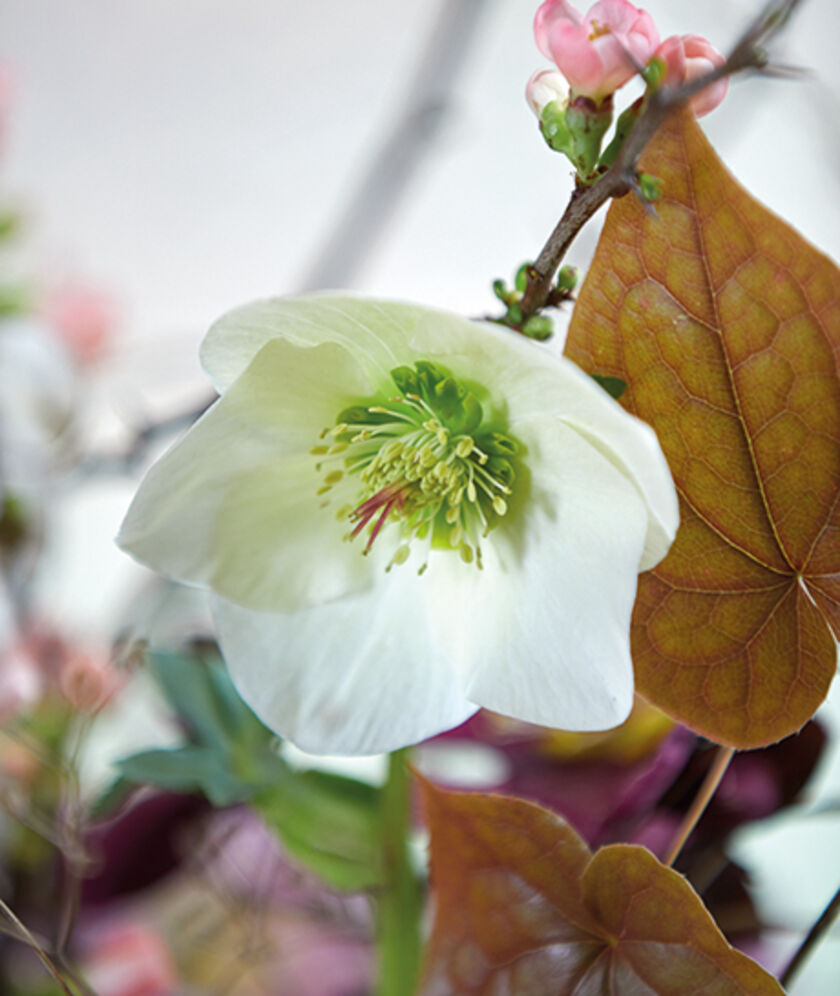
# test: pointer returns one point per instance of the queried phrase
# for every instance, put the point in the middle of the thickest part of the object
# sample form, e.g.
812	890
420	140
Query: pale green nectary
403	515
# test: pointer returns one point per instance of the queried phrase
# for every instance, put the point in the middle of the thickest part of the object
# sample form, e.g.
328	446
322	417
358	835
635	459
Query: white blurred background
185	156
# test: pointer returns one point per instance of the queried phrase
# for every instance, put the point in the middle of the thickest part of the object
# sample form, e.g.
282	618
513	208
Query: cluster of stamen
418	461
597	30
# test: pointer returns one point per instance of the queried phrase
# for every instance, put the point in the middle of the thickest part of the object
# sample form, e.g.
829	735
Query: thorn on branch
642	195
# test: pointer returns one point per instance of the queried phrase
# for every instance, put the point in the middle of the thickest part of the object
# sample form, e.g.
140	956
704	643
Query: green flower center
426	460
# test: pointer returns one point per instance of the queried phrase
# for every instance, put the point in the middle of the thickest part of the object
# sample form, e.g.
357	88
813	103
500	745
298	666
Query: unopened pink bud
88	682
545	86
83	318
600	52
686	58
131	960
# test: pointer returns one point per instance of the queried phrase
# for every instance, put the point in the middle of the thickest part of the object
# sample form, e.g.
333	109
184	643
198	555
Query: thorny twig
748	54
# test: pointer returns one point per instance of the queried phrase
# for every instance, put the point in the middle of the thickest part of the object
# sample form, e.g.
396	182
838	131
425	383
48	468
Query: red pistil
383	502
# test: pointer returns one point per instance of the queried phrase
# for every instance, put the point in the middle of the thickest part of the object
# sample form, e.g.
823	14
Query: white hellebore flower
403	515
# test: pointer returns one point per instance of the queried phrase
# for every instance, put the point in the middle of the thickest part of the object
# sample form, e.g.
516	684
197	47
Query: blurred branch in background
420	114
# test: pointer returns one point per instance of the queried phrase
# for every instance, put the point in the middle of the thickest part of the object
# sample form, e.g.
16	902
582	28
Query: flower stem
814	936
27	937
400	901
713	778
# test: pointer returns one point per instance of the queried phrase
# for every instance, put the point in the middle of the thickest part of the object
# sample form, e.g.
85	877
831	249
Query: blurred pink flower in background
130	960
688	56
41	663
21	680
88	681
82	318
598	53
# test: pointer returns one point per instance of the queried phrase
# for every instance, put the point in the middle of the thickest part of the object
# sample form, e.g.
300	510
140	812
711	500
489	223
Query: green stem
400	901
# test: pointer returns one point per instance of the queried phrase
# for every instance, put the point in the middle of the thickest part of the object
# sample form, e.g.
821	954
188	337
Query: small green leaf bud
567	279
654	72
538	327
520	281
650	186
501	291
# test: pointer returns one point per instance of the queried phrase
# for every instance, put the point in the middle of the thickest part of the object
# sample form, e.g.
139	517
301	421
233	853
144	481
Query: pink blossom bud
685	59
131	960
21	681
83	319
600	52
88	682
545	86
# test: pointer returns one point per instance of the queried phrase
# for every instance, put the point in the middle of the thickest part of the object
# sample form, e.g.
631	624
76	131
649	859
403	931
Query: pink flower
599	53
685	59
21	680
82	318
131	960
88	681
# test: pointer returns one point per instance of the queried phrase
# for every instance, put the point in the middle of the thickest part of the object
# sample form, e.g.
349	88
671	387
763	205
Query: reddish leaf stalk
718	769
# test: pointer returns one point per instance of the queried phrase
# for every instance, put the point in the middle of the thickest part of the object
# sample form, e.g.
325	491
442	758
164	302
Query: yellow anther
466	553
324	489
337	448
456	536
464	447
338	429
471	492
499	505
319	450
402	554
334	477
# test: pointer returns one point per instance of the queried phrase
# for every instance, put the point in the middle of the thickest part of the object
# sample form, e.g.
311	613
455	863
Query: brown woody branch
622	176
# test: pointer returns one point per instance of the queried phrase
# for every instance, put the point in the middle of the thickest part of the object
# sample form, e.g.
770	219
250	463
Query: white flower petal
548	639
360	675
233	505
377	332
530	383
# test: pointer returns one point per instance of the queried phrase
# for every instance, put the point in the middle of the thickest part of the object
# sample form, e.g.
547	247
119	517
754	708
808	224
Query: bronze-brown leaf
523	908
725	323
